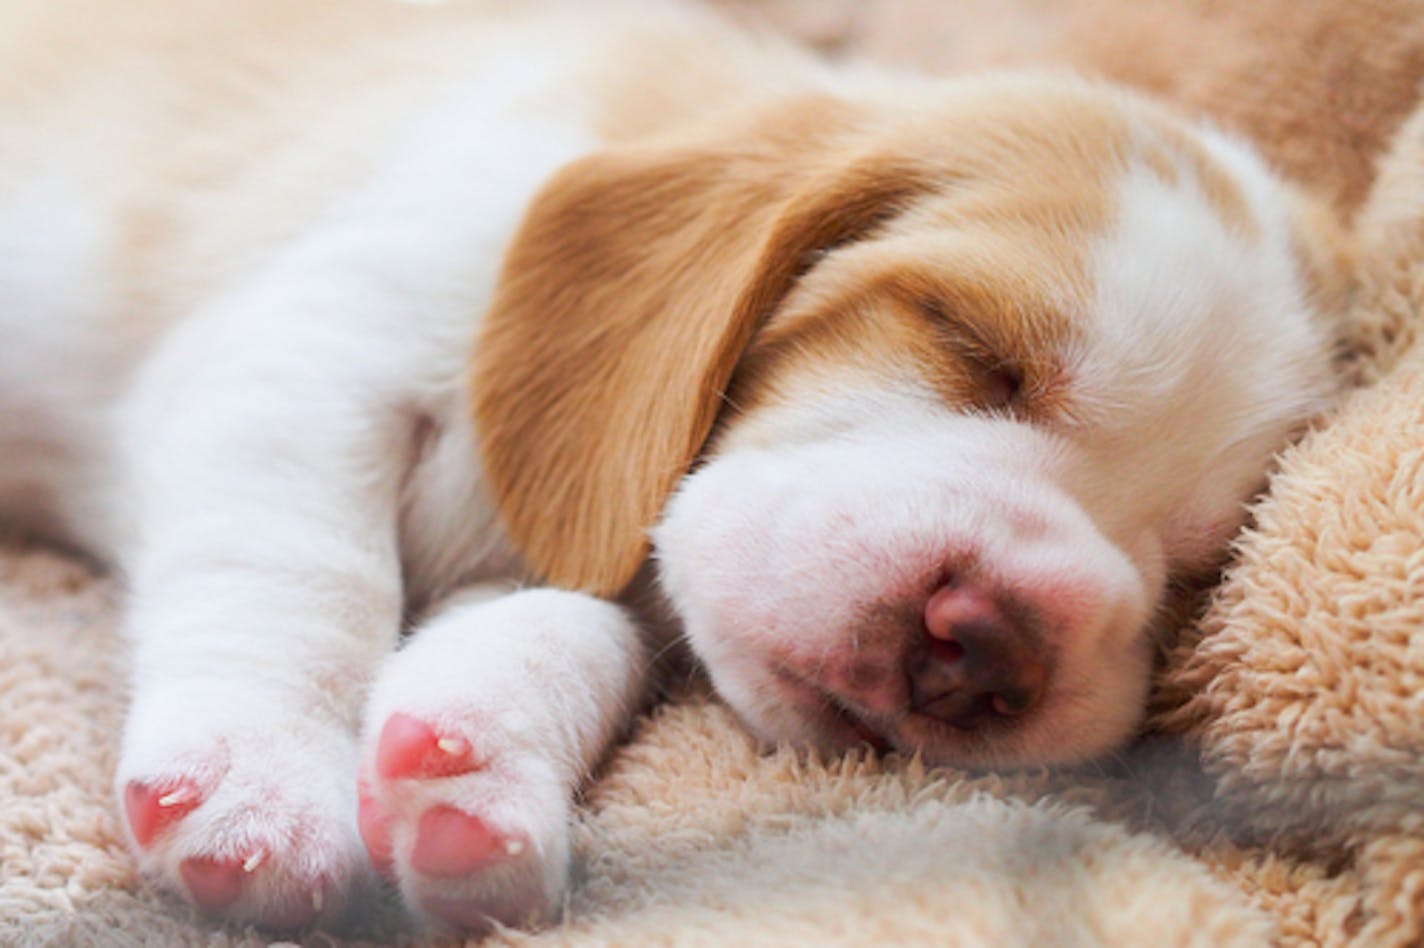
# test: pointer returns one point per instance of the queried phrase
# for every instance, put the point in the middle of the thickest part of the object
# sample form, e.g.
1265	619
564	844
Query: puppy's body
190	152
979	365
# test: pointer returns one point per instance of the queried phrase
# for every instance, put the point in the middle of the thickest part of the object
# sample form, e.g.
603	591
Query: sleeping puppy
911	395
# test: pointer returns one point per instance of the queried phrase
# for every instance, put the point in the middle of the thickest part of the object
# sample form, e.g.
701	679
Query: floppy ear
626	299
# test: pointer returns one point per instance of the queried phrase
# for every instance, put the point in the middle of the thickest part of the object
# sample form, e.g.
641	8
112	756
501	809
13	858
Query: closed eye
1001	385
998	383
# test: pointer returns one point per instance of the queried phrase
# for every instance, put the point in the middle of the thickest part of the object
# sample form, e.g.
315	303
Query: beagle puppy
333	321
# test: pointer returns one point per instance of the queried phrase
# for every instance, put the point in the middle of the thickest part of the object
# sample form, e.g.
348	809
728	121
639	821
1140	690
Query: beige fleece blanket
1281	795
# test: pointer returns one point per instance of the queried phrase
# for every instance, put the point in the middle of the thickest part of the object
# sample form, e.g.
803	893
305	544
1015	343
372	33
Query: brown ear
629	293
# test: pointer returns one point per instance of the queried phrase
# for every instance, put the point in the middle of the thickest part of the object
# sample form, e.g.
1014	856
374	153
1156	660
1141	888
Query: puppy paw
477	735
472	826
245	811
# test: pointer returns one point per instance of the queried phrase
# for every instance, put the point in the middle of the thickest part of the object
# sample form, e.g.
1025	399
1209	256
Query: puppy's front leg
262	481
477	735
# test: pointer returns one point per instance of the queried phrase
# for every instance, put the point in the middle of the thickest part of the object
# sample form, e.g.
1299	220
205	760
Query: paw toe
408	747
450	843
152	807
374	822
218	885
215	884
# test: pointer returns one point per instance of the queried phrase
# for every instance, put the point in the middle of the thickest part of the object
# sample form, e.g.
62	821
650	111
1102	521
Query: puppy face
980	384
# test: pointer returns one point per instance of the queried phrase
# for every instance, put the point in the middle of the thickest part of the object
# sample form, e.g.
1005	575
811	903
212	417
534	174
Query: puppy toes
153	807
477	735
249	822
408	747
472	838
450	843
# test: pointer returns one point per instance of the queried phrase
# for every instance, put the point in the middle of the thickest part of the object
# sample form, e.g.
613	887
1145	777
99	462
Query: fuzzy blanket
1279	795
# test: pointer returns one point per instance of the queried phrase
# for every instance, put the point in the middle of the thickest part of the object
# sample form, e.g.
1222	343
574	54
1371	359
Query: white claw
514	847
253	861
176	797
454	746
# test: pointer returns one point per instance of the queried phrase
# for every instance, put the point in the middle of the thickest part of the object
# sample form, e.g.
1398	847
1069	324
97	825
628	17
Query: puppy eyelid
1001	381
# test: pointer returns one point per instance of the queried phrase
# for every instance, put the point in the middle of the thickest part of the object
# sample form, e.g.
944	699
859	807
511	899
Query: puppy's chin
1078	726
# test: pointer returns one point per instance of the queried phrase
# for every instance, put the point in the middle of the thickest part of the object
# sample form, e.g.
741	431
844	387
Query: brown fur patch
627	297
943	232
985	276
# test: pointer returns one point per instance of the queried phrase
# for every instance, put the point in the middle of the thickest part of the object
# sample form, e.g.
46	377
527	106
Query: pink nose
983	662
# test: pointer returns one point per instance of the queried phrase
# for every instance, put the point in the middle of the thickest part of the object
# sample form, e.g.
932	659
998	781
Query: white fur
269	444
282	471
285	470
53	285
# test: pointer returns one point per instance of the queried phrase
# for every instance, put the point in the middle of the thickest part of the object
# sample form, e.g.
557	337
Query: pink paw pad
409	747
152	808
214	883
374	824
450	843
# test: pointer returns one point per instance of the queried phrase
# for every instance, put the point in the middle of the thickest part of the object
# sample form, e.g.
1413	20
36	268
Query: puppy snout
981	662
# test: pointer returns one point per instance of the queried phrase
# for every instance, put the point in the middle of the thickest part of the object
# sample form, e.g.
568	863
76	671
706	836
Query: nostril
946	650
980	664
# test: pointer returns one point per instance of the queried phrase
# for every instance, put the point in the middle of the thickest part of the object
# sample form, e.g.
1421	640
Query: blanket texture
1279	793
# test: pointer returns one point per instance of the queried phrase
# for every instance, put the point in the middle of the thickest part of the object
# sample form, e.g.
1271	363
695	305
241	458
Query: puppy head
924	398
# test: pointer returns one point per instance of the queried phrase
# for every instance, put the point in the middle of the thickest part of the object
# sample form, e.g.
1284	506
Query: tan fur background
1282	795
